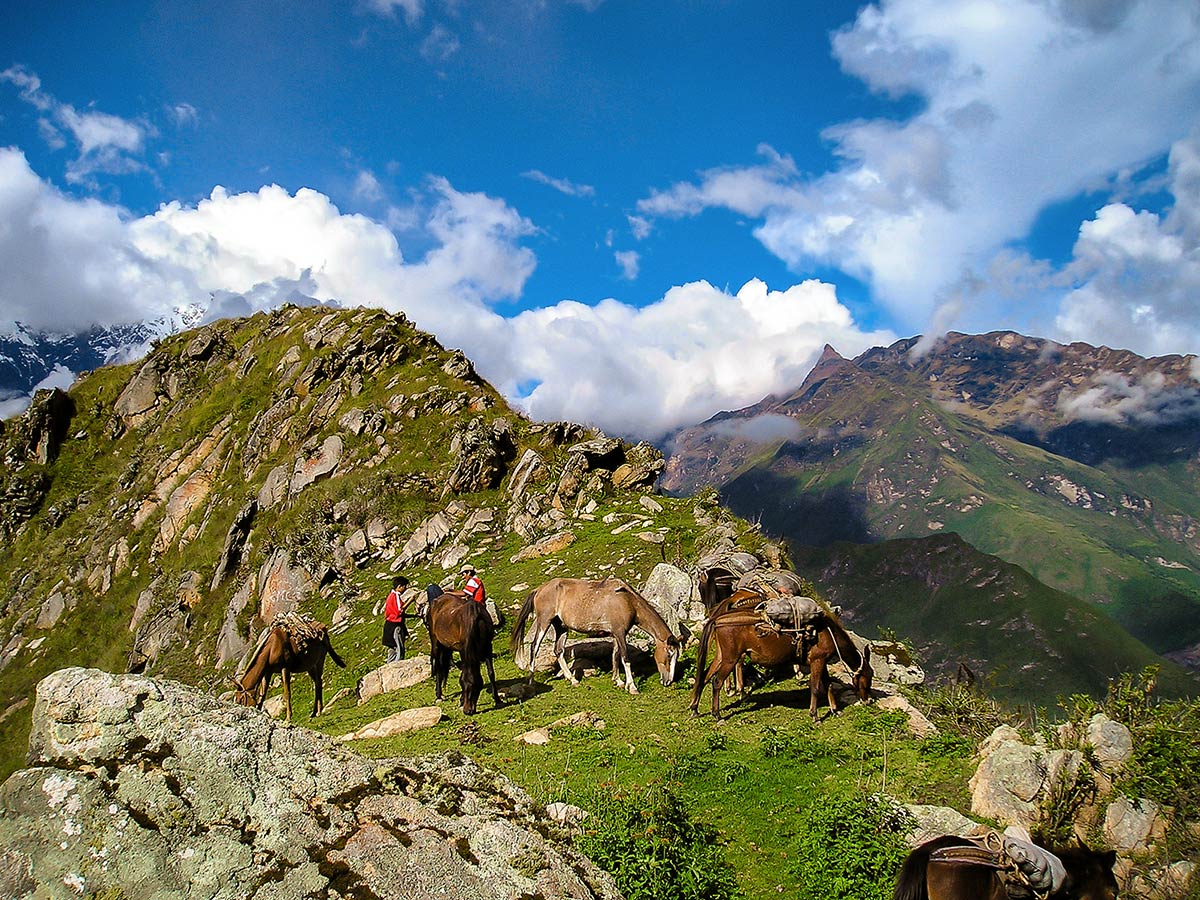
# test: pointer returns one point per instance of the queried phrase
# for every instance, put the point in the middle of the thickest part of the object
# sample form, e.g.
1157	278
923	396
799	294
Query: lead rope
994	843
854	673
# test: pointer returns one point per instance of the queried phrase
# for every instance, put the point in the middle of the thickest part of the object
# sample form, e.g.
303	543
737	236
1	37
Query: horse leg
619	646
287	693
317	675
560	651
817	676
263	687
492	679
539	636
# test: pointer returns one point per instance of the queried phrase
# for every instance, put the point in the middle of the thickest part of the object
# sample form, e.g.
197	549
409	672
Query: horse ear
1109	858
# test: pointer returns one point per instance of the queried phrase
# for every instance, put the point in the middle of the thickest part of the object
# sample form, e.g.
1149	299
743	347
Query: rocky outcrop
133	782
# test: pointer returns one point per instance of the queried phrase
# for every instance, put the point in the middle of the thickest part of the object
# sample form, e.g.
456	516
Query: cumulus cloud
1136	274
106	143
66	264
1021	104
696	351
562	185
629	261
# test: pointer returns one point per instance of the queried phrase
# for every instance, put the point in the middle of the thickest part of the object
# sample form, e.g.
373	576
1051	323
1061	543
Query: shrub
850	848
653	848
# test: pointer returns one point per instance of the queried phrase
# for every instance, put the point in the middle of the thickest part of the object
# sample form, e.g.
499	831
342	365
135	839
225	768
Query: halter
854	673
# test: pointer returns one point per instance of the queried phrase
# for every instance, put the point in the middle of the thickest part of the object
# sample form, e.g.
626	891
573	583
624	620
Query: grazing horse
456	622
740	631
926	875
290	644
598	608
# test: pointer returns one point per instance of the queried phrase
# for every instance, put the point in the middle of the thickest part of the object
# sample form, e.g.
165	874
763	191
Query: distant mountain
1080	464
953	604
28	357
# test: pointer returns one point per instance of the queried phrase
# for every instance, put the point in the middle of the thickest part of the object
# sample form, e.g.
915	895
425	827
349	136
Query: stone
1014	777
52	609
672	593
393	676
934	821
414	719
918	724
1131	826
274	488
1111	742
283	586
315	464
140	396
566	814
430	534
535	738
235	543
547	545
137	785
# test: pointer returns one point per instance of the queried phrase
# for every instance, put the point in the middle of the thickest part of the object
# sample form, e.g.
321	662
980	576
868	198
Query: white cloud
1136	274
1022	103
696	351
106	143
367	187
440	44
562	185
629	261
183	114
640	227
412	9
66	264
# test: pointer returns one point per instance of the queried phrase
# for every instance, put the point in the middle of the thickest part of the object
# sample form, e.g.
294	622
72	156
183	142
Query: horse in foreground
743	630
597	608
455	622
291	643
954	868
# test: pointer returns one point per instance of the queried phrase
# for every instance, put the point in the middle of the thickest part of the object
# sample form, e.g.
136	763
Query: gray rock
393	676
671	591
137	787
318	463
1111	741
1131	826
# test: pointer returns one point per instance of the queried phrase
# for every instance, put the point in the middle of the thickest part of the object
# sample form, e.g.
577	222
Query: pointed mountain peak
830	355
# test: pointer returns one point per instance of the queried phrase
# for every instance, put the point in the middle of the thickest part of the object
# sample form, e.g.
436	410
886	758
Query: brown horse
283	649
739	632
456	622
598	608
1089	875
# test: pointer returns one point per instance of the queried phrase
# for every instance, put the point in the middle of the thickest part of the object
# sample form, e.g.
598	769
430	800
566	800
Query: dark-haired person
394	632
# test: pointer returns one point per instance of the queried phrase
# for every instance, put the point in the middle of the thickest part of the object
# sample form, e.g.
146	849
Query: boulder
393	676
284	586
1013	777
1111	742
918	724
415	719
316	463
673	594
135	785
1131	826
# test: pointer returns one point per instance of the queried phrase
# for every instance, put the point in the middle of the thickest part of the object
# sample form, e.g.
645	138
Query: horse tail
518	635
702	661
910	883
333	653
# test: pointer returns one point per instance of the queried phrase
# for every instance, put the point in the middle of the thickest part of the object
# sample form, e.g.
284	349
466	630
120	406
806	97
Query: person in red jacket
474	584
394	632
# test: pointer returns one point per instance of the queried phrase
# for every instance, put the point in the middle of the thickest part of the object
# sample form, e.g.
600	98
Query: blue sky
633	214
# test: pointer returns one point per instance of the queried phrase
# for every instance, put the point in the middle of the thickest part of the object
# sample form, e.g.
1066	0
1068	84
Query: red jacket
474	589
393	609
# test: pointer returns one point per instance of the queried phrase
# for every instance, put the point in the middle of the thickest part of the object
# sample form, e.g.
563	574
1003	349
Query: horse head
241	694
864	676
666	657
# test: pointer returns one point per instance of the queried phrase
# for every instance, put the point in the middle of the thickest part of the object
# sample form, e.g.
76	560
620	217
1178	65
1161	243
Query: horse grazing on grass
456	622
953	868
290	644
742	630
597	608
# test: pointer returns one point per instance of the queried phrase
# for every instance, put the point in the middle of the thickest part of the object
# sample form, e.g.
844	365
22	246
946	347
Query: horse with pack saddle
292	642
773	631
1004	867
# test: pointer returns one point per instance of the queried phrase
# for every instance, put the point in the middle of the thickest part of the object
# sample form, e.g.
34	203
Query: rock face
136	782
